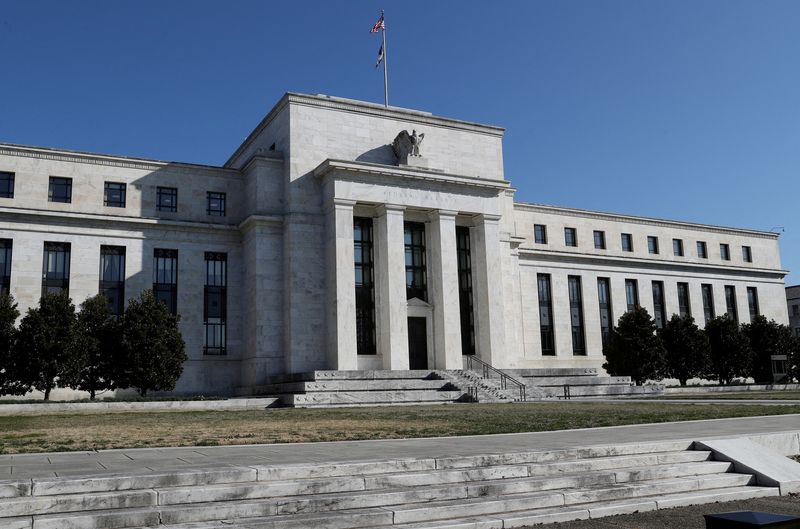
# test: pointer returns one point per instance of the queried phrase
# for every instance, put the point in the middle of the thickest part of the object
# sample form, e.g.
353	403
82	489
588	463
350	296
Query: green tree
730	350
687	349
9	385
153	349
43	350
767	338
633	349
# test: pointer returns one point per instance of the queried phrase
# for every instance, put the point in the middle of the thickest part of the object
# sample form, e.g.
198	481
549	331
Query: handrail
486	369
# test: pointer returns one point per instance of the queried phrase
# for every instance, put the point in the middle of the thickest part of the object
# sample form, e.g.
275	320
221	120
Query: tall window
6	184
652	244
165	278
114	195
627	242
112	277
55	269
546	314
215	204
730	302
708	302
167	199
416	274
60	190
631	294
752	302
215	303
570	237
702	251
576	315
604	296
600	240
677	247
365	285
684	306
659	310
725	252
540	234
5	266
747	254
465	290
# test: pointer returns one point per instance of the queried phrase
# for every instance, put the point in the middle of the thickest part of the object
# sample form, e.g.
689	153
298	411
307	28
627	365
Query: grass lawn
741	395
86	431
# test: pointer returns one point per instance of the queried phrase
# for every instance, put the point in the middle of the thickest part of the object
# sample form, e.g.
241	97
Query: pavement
149	460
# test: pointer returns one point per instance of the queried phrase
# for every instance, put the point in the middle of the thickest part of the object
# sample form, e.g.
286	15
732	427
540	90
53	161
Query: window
5	266
747	254
112	277
604	296
55	269
546	314
570	237
416	275
114	196
215	204
725	252
708	302
797	332
730	302
795	310
365	285
60	190
652	245
677	247
702	251
215	303
684	305
627	242
752	302
659	310
540	234
165	278
167	199
600	240
6	184
631	294
576	315
465	290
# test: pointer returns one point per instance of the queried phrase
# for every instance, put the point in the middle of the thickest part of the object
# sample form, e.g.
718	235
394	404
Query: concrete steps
582	383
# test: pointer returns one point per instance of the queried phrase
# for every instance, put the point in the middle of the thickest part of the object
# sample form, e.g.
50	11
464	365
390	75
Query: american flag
378	25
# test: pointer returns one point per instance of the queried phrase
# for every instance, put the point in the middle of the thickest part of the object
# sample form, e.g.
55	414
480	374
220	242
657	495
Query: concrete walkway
147	460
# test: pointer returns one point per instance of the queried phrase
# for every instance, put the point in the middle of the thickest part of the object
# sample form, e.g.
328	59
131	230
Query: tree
43	350
95	343
8	333
767	338
687	349
154	351
633	349
730	350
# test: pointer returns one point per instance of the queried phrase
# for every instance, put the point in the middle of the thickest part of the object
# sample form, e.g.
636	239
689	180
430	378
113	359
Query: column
390	287
443	286
342	350
488	290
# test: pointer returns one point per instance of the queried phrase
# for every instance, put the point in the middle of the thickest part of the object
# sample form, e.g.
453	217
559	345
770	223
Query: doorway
417	344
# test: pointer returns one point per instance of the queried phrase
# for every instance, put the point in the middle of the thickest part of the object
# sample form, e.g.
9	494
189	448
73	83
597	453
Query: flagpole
385	69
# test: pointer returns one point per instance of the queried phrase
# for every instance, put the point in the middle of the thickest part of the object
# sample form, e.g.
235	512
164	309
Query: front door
417	344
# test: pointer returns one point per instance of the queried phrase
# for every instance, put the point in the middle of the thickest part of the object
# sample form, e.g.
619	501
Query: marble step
355	398
356	385
614	390
576	381
318	376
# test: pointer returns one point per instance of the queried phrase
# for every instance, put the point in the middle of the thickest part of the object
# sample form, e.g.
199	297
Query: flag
380	57
378	25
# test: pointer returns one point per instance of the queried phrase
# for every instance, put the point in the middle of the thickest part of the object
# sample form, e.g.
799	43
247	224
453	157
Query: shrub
730	350
8	333
767	338
633	349
686	347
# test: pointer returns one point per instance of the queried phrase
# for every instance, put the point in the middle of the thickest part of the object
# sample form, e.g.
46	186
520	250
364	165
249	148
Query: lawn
86	431
740	395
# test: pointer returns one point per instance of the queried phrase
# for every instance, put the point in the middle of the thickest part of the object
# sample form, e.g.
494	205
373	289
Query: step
576	381
336	385
370	398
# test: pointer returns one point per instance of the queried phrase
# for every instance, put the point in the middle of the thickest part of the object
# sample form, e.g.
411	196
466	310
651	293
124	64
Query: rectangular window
659	310
752	302
55	268
167	199
114	195
465	300
631	294
215	204
725	252
702	251
604	296
576	315
416	273
627	242
215	304
747	254
730	302
570	237
546	314
797	332
6	184
112	277
600	240
677	247
363	251
165	278
5	266
652	245
540	234
795	310
60	190
708	302
684	305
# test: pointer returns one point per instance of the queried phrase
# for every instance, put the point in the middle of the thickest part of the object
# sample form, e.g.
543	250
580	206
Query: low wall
688	390
160	405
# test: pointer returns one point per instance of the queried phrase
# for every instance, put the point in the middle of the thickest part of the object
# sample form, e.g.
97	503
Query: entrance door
417	344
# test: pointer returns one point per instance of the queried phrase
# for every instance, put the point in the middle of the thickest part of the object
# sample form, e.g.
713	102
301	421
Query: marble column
488	290
342	350
443	284
390	287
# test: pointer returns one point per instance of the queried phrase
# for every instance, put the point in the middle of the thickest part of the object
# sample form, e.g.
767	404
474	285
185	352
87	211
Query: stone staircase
458	492
580	383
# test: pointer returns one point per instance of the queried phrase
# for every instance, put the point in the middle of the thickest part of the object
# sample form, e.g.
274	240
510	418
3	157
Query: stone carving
406	147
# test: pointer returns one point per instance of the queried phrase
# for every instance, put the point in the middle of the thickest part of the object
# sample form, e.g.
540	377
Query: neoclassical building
344	235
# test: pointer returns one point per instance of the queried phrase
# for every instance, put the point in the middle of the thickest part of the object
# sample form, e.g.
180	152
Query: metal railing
486	371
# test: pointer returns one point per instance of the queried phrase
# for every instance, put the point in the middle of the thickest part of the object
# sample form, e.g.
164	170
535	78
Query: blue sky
685	109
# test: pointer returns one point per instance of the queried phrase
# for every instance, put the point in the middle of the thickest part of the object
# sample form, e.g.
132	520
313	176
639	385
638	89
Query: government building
342	235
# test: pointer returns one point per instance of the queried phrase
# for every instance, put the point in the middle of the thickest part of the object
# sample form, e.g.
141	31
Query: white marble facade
292	191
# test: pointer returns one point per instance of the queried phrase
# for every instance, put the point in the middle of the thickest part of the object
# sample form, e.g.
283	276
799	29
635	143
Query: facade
343	235
793	304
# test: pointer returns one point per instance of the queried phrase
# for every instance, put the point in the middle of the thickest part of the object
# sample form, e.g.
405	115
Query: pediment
416	302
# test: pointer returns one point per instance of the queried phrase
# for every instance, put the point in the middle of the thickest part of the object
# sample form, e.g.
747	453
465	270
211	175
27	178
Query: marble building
347	236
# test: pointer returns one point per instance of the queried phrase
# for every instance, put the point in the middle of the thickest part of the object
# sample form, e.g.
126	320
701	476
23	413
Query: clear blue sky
685	109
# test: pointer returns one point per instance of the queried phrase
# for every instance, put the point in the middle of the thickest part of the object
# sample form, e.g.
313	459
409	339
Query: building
793	304
347	236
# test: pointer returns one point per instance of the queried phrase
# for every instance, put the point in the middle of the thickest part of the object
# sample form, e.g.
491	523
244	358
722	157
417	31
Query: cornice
260	220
